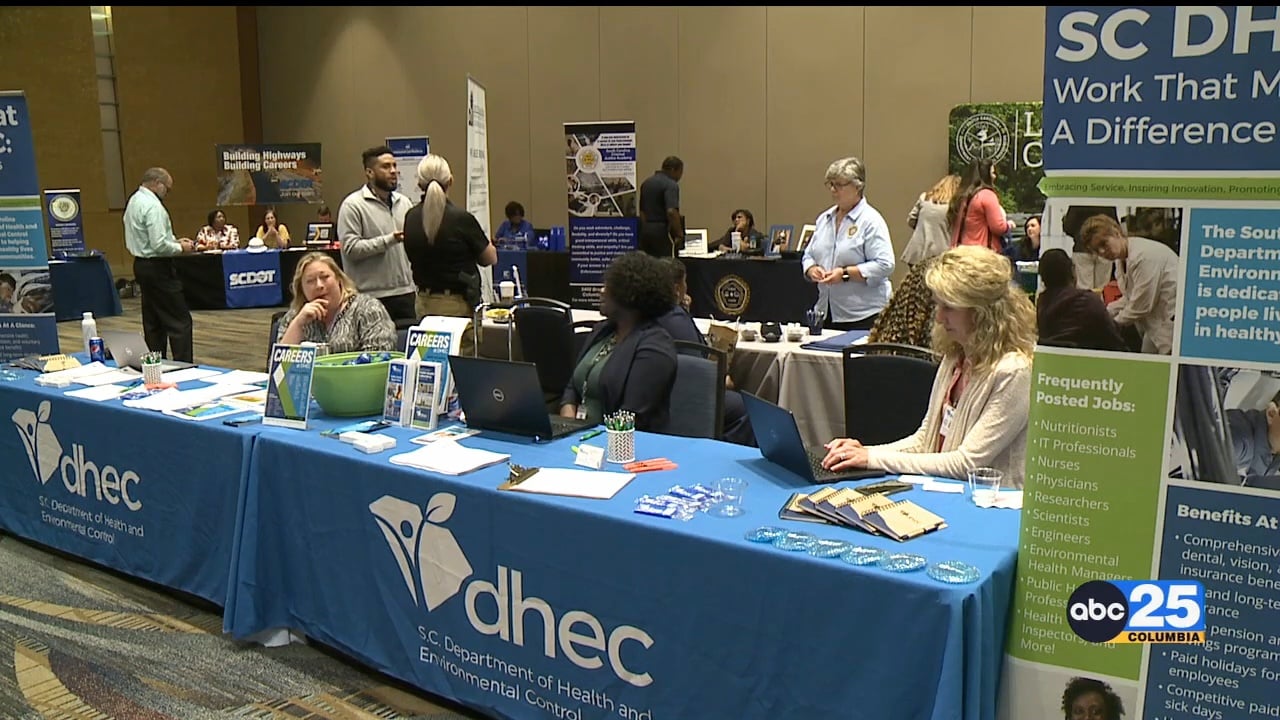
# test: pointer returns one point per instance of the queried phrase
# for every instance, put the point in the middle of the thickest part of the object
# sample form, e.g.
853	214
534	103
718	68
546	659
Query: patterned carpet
80	643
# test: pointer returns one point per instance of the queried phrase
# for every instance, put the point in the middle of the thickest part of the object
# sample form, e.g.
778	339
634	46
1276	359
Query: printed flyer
289	386
1156	456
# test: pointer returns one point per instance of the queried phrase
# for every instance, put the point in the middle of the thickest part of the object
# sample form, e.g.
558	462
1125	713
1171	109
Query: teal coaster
794	541
903	562
765	534
954	572
828	548
858	555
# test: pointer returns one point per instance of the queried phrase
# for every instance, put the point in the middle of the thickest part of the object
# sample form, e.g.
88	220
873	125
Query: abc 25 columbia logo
1138	611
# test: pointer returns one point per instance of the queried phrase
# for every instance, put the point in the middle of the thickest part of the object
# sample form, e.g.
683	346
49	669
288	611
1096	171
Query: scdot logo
255	277
1098	611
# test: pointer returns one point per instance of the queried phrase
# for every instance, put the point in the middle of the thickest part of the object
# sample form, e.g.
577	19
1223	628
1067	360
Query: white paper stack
449	458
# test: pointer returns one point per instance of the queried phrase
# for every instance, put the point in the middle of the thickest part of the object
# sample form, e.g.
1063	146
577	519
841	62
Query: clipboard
566	482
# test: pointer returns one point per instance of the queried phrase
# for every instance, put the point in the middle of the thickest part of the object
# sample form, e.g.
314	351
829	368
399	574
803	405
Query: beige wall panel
813	103
1008	53
565	45
916	71
179	97
639	79
62	98
722	123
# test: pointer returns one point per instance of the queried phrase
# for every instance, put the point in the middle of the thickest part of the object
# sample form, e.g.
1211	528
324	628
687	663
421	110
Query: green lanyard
605	350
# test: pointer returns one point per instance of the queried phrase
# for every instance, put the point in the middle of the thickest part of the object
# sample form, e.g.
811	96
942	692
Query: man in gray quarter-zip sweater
371	230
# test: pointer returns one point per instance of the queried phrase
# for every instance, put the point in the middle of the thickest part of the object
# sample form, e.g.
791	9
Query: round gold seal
733	295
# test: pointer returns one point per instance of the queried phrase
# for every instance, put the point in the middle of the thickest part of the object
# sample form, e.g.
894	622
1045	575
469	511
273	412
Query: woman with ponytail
445	244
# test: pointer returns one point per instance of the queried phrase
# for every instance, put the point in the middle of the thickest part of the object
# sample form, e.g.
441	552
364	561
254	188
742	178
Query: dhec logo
44	451
434	568
1146	611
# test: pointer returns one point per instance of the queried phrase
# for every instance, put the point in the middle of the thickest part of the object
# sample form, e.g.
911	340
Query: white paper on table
173	399
185	374
449	458
593	484
916	479
1006	499
944	487
109	377
238	377
97	393
92	368
862	340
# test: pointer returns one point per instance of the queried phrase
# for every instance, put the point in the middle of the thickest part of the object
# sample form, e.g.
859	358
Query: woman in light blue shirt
850	256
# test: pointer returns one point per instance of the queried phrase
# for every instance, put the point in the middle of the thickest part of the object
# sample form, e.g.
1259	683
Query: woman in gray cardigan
985	331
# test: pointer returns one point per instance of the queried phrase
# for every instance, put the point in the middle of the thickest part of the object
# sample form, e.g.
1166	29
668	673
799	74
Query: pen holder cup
152	373
621	446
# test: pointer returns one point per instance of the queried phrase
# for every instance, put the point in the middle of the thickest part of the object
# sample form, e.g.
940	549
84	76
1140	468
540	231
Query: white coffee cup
507	290
735	239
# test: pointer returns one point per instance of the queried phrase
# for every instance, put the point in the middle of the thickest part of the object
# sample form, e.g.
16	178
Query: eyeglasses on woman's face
838	185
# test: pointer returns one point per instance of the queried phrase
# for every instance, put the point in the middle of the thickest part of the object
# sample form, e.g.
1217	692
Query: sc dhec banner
252	279
27	323
269	174
1161	88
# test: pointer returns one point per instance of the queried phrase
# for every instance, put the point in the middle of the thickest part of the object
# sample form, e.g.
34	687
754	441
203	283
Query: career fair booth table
534	606
767	289
137	491
239	278
83	284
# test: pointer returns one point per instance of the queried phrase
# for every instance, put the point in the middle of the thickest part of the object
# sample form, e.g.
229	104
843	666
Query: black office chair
275	329
545	329
697	399
888	348
886	395
581	331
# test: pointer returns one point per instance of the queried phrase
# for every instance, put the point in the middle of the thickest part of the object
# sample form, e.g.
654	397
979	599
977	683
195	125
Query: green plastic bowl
350	390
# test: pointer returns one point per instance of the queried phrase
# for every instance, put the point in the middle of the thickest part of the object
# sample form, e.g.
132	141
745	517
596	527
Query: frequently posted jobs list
1093	465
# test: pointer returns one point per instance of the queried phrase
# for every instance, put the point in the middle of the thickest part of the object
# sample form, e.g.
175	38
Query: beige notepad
904	520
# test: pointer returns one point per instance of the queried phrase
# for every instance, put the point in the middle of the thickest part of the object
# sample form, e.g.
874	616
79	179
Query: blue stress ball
384	357
364	359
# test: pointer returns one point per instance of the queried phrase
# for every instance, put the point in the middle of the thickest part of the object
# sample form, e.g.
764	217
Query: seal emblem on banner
733	295
982	136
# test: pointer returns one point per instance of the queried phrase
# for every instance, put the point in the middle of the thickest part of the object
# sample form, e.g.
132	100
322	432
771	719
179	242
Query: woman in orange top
975	215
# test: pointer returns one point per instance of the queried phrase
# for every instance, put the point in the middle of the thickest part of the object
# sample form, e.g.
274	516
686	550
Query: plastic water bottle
89	329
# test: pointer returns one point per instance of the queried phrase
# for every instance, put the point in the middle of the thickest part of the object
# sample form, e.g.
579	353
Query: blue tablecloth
143	493
526	605
83	285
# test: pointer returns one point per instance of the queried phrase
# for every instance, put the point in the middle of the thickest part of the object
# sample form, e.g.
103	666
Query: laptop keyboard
815	464
564	426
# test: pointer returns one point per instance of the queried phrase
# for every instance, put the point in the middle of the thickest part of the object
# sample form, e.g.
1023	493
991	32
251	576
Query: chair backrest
697	398
545	328
581	331
886	395
888	348
271	338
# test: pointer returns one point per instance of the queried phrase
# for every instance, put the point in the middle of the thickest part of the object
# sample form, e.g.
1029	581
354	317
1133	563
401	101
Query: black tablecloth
757	290
205	288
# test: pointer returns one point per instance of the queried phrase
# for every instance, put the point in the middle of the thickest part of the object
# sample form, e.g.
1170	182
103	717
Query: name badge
853	229
582	412
947	413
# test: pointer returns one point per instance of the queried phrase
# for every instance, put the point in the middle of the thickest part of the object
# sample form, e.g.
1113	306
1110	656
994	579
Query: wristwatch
846	274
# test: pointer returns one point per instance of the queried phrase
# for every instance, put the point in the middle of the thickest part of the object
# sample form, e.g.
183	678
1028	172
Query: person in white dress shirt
850	256
1147	272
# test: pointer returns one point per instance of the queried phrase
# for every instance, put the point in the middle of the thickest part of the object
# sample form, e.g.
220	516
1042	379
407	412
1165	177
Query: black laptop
779	439
505	396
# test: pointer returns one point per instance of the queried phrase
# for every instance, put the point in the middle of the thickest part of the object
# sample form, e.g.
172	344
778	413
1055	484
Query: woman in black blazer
628	362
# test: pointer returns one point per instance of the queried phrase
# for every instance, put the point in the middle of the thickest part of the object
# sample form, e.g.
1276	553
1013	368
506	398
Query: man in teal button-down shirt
148	234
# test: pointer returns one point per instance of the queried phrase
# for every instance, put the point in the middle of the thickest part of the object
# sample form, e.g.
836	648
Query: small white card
590	456
946	487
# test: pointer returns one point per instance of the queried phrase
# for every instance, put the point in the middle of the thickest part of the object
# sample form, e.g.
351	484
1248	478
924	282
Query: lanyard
602	354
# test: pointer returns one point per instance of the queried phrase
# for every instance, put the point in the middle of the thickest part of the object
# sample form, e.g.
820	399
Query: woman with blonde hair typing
985	332
327	308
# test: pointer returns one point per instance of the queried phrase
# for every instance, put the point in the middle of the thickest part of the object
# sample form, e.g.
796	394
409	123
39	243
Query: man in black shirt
661	229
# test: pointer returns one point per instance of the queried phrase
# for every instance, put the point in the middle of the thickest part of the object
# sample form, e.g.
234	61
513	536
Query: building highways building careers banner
269	174
1159	464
